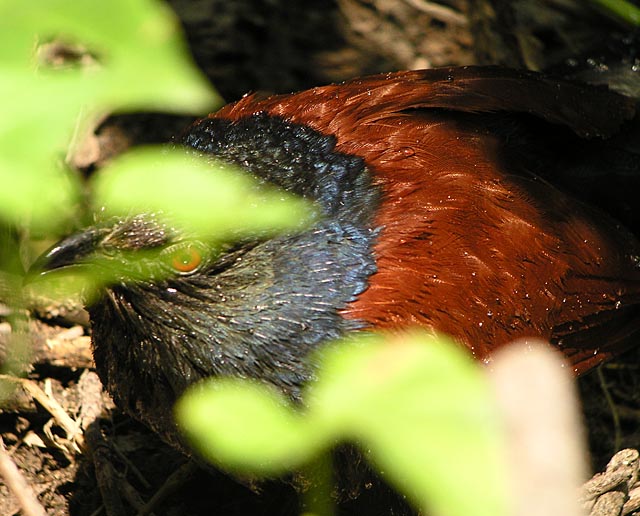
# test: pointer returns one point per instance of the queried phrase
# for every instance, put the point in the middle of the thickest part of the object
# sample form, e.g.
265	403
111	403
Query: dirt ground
275	46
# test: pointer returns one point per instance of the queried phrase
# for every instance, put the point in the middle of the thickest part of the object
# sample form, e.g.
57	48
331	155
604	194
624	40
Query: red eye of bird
186	259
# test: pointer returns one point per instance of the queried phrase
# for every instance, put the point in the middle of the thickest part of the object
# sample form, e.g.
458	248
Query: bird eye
185	259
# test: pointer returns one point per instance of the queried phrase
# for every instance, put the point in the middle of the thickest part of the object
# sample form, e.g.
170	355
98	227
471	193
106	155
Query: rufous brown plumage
473	243
441	209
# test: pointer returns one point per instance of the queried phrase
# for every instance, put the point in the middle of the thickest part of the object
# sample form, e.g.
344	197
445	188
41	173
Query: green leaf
140	63
37	192
621	10
199	195
418	406
141	58
423	410
246	427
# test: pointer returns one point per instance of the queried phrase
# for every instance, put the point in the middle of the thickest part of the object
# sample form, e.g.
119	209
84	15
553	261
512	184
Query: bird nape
461	200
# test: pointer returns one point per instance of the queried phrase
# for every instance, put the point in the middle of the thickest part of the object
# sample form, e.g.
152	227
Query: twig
98	512
176	480
67	348
609	504
131	467
91	402
633	504
612	407
131	495
610	488
439	12
50	405
18	485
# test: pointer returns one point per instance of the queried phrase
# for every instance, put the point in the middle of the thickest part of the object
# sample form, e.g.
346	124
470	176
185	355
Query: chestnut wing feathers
471	243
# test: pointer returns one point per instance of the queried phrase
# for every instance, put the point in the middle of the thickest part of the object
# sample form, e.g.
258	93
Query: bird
442	206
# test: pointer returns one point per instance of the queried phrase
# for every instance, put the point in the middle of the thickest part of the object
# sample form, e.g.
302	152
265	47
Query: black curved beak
69	252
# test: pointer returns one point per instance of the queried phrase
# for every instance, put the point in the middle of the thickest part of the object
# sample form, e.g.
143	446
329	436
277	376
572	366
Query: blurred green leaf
141	58
621	10
36	191
423	409
197	195
417	404
139	61
271	441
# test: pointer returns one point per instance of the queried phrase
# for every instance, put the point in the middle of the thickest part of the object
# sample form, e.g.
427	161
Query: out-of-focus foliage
214	202
132	56
418	406
621	10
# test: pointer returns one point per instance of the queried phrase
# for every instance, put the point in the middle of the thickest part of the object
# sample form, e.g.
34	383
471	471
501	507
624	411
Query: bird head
124	251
